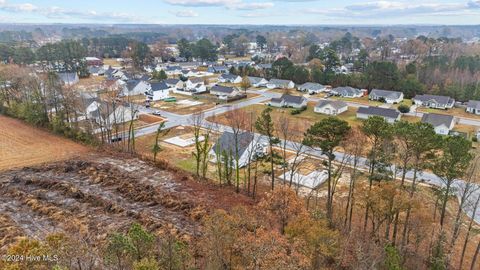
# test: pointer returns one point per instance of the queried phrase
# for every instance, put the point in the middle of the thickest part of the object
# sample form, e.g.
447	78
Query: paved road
174	120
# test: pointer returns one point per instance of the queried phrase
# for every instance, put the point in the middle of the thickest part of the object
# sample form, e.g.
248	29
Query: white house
434	101
242	147
176	83
230	78
68	78
331	107
192	83
312	88
442	123
107	114
347	91
282	84
257	81
159	91
135	87
473	106
390	115
224	92
289	101
390	97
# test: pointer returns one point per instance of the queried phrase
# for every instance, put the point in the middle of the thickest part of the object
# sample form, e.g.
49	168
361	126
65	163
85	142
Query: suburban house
390	115
176	83
282	84
107	114
473	106
347	91
331	107
289	101
242	147
135	87
224	92
193	82
387	96
230	78
218	69
93	61
434	101
312	88
257	81
68	78
159	91
442	123
173	70
96	71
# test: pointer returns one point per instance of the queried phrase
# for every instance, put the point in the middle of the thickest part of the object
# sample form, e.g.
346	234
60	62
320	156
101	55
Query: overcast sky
241	11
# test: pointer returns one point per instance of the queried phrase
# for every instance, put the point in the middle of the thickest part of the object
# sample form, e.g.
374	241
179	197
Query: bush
298	111
403	108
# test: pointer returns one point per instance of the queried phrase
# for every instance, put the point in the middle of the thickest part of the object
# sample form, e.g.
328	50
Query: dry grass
22	145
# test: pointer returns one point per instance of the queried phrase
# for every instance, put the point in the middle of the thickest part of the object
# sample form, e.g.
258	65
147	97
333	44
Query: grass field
300	122
22	145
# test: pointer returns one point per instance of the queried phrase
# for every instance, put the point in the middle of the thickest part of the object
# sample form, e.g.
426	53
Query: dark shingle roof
254	80
386	93
293	99
226	143
311	86
171	81
346	90
378	111
475	104
222	89
337	104
436	120
438	99
159	86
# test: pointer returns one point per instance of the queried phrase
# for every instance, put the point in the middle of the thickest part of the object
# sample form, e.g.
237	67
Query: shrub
403	108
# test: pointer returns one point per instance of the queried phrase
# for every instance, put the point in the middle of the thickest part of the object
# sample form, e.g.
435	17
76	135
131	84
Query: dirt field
22	145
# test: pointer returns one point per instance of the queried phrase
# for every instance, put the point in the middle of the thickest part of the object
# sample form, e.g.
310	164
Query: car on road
157	113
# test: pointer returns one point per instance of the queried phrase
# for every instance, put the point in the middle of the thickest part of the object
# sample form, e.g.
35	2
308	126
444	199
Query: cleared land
22	145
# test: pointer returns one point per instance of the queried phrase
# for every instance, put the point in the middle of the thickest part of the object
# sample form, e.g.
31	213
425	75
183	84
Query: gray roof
254	80
226	143
293	99
311	86
171	81
159	86
68	77
222	89
474	104
229	76
378	111
196	80
337	104
346	90
386	93
436	119
131	84
279	82
438	99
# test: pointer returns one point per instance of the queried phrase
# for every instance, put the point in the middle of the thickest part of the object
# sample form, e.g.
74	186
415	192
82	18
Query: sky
284	12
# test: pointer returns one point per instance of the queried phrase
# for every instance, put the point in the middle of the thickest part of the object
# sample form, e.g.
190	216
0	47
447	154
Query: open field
22	145
300	122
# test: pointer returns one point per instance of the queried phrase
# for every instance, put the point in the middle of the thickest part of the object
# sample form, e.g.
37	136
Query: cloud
202	3
186	13
252	6
62	13
474	4
390	9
